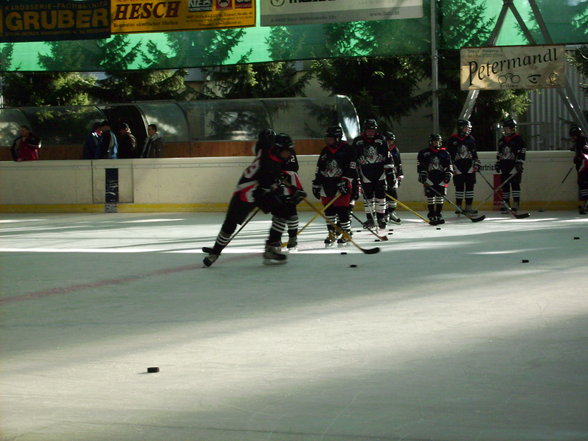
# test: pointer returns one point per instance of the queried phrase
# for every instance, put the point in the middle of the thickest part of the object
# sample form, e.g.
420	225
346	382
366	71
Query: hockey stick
208	250
382	238
494	190
508	208
342	232
365	200
470	217
312	219
406	207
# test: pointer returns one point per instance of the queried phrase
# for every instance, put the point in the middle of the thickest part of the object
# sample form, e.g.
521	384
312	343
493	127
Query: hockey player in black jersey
435	170
393	180
261	185
580	149
290	177
374	163
464	156
335	173
510	161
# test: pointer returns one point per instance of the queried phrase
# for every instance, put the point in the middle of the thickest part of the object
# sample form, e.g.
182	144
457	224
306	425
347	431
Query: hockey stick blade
370	250
521	215
477	219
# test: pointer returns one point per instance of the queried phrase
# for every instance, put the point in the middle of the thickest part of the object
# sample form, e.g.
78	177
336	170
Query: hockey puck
391	229
153	369
376	240
343	253
352	266
576	238
525	261
358	231
438	228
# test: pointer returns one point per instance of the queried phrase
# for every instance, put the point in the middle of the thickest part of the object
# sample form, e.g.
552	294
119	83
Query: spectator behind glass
127	143
92	142
108	143
153	144
26	146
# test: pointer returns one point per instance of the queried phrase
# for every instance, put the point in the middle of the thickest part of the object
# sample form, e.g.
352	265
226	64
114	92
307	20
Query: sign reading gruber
295	12
22	20
513	67
129	16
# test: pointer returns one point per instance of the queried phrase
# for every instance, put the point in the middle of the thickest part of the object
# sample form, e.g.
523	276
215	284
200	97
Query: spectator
127	143
153	144
92	142
108	143
26	146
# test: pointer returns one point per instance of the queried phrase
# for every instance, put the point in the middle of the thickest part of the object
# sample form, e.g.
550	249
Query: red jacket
26	149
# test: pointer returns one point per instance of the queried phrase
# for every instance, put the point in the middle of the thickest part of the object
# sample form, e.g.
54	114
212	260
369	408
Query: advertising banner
130	16
22	20
512	67
296	12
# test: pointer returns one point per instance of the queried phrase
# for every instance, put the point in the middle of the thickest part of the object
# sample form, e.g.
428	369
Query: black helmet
464	124
435	137
389	136
509	122
334	132
575	131
283	141
370	124
267	135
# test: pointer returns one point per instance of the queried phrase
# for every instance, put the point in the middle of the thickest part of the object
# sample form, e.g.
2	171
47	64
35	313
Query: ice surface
444	336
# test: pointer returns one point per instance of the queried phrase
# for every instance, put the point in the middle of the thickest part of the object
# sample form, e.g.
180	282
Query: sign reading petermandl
513	67
296	12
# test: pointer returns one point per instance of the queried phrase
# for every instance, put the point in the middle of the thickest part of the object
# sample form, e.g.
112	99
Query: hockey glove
476	167
423	175
343	187
268	201
316	191
519	167
399	178
296	197
497	167
447	178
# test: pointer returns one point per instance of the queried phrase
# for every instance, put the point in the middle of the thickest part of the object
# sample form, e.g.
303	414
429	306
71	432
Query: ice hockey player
510	161
580	149
393	180
261	186
464	156
290	177
374	163
335	173
434	170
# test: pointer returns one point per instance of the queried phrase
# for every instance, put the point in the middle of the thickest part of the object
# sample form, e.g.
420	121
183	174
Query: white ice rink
443	336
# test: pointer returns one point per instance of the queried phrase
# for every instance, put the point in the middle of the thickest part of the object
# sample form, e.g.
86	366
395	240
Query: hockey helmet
463	125
267	136
510	123
334	132
389	136
435	137
370	124
575	131
283	141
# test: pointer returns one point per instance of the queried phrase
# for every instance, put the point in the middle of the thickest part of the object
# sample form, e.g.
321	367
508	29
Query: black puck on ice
438	228
352	266
358	231
525	261
576	238
153	369
343	252
391	229
377	240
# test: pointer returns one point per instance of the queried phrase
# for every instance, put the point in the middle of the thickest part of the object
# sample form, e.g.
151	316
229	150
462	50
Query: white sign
295	12
513	67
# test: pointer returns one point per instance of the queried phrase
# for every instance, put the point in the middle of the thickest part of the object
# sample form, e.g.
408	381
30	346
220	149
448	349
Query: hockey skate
583	209
470	210
292	245
330	239
393	218
273	254
343	241
210	259
369	223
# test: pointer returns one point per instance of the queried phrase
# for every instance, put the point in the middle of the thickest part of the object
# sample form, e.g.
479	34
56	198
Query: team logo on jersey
371	155
332	169
507	153
435	164
463	152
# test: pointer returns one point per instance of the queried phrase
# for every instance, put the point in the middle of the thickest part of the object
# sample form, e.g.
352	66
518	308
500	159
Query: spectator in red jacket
26	146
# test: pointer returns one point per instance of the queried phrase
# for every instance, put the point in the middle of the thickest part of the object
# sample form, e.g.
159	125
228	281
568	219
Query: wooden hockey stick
406	207
494	190
508	208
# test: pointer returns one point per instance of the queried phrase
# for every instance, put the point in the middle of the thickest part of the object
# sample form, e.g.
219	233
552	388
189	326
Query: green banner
461	23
